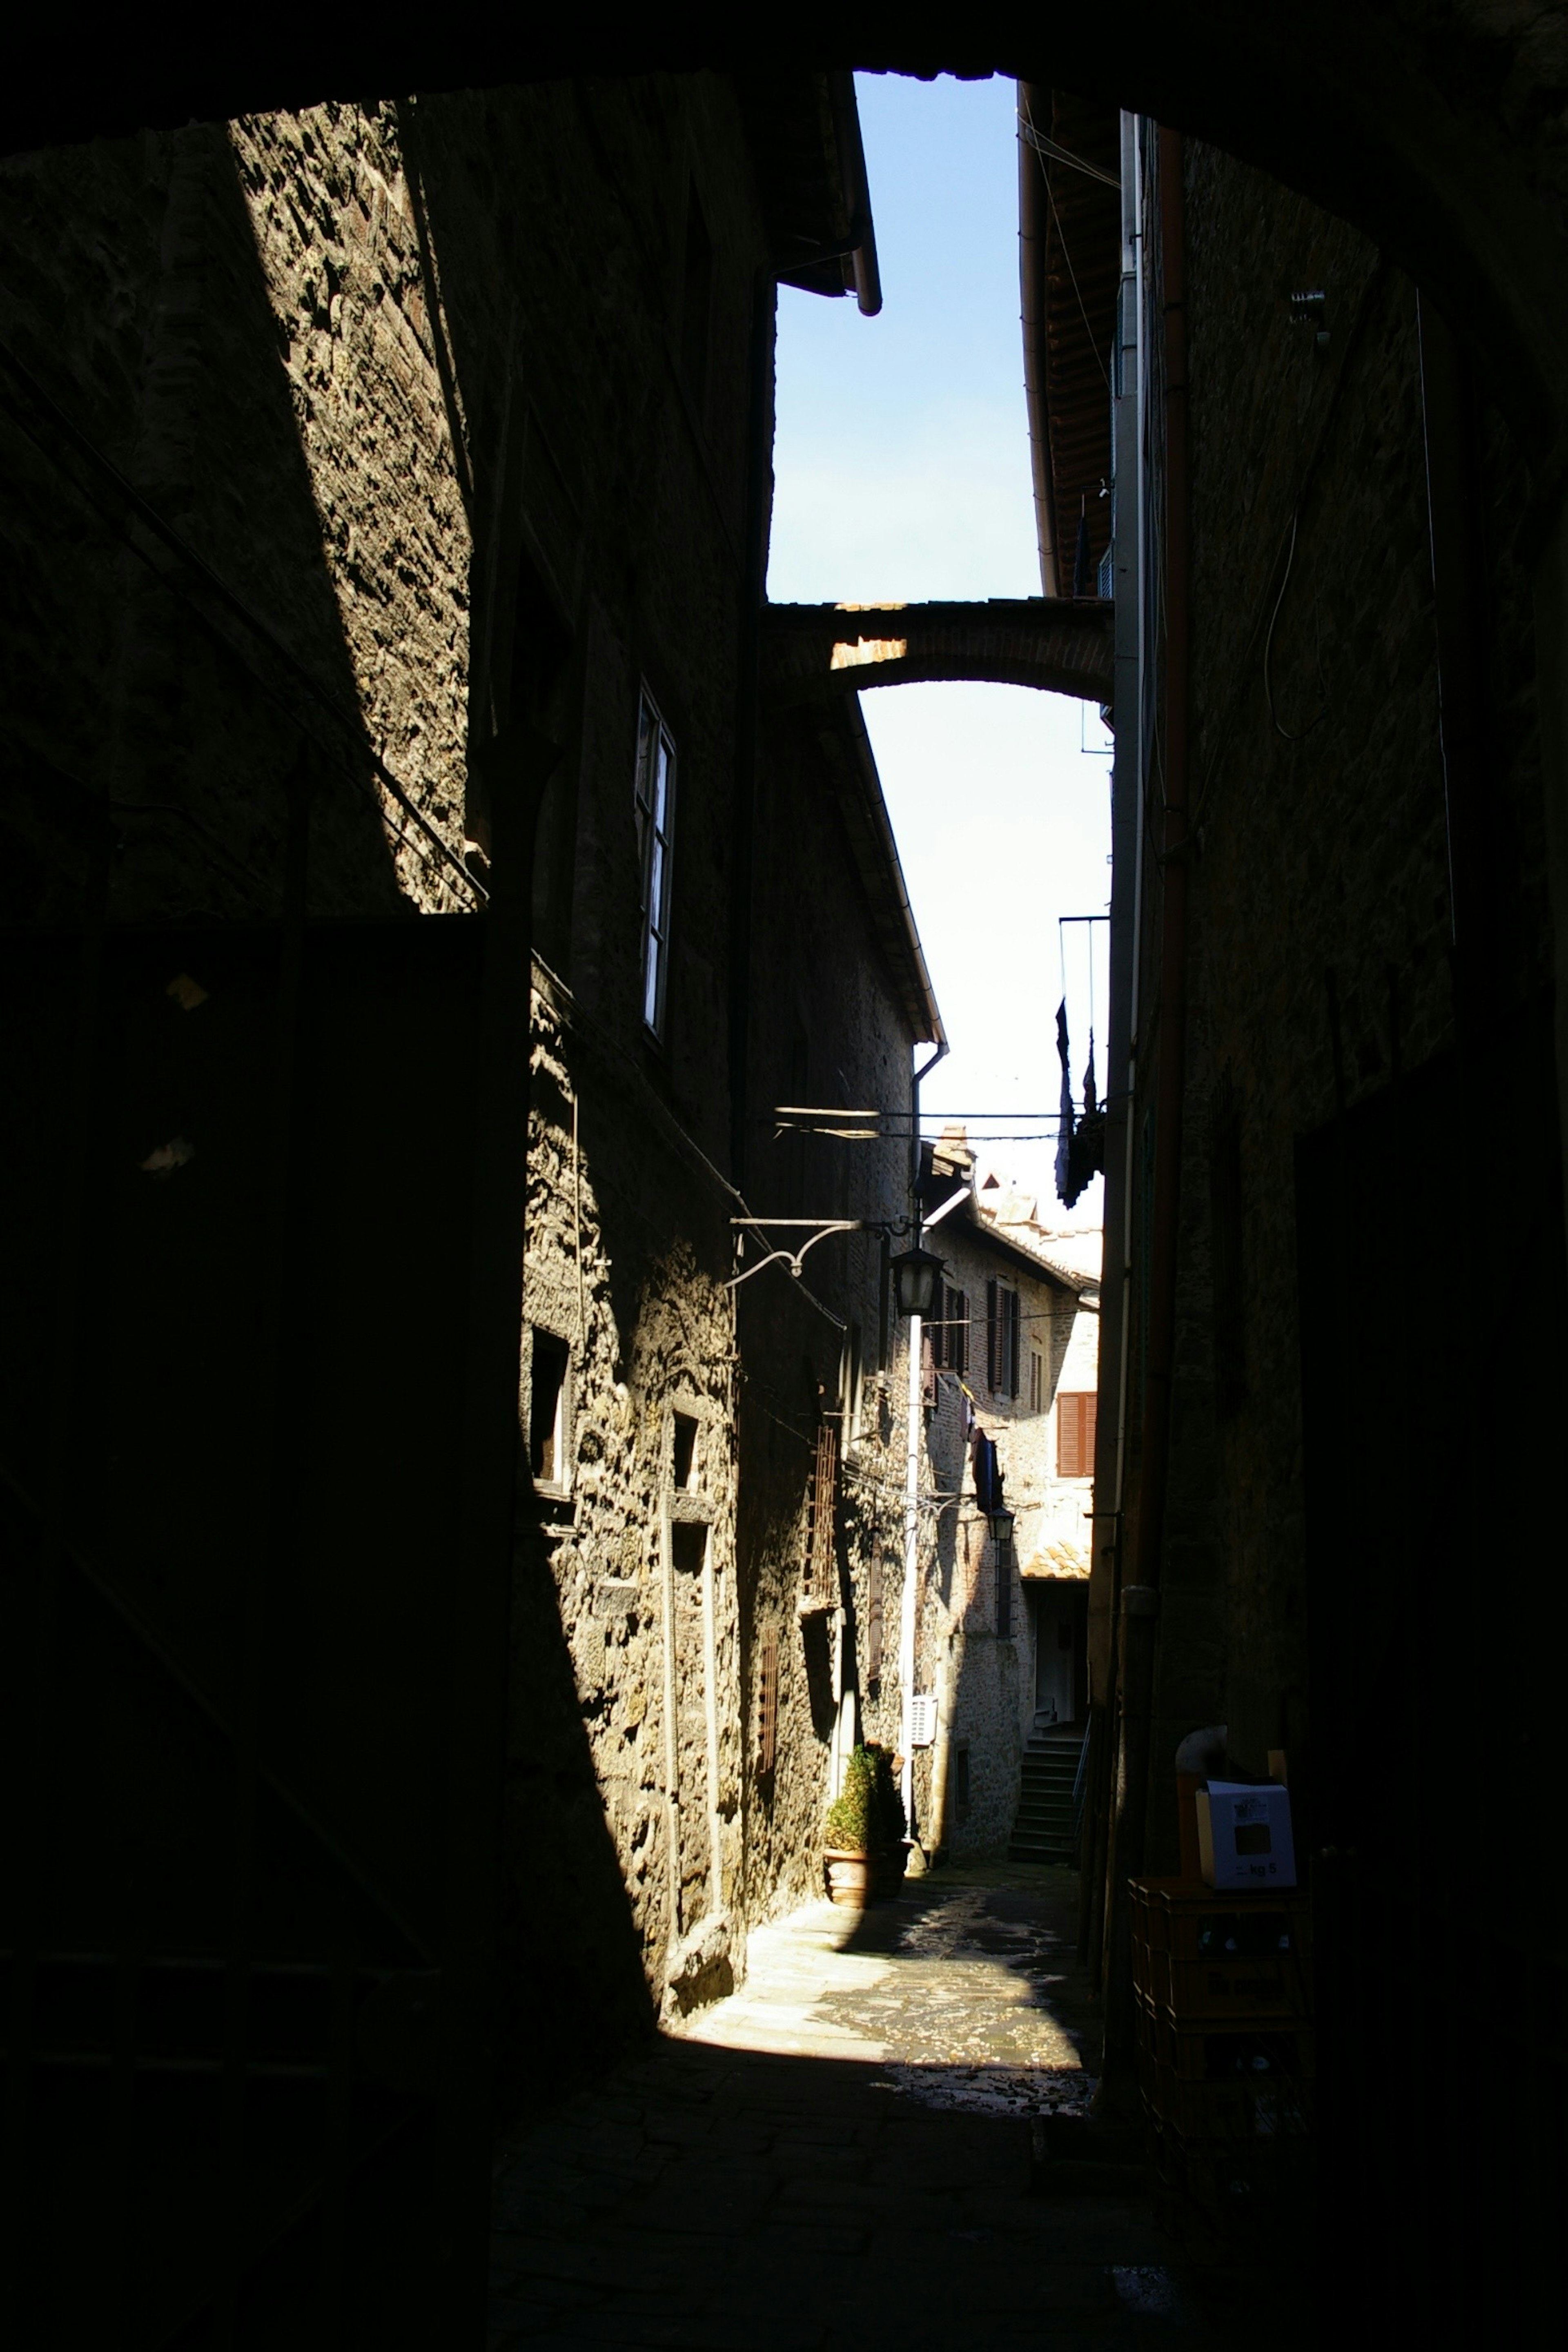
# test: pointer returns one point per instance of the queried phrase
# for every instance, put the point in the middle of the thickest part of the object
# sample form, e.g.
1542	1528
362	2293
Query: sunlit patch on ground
960	1991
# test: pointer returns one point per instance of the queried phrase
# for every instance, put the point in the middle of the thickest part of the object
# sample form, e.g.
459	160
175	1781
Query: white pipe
913	1475
911	1571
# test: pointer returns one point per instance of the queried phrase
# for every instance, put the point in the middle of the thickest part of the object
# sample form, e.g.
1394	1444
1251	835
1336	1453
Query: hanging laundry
1064	1131
1081	1142
988	1477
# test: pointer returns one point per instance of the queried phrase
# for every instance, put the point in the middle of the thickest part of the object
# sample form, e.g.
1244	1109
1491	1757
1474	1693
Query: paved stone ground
838	2156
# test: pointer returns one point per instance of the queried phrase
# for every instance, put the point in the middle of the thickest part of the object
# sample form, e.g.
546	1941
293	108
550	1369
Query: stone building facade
1011	1358
390	482
1332	946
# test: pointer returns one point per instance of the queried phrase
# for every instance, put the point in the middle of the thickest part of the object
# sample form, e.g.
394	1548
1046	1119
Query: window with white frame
656	818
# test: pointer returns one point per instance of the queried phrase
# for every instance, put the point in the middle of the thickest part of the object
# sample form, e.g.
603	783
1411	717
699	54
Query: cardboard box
1243	1836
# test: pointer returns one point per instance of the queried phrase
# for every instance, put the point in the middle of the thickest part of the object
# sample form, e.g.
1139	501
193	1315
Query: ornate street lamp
916	1273
1001	1530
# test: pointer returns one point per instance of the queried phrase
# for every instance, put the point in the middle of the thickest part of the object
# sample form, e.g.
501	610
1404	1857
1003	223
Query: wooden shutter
1015	1327
1075	1434
874	1621
993	1351
817	1578
768	1703
961	1332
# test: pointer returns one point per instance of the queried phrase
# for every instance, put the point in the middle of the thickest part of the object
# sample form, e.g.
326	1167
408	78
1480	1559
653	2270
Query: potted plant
863	1833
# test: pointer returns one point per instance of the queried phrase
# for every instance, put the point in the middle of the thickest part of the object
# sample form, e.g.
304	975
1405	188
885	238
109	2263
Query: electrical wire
1033	140
1268	647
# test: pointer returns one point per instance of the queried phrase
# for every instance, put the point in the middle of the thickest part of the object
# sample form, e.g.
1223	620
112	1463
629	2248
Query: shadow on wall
574	1994
262	1357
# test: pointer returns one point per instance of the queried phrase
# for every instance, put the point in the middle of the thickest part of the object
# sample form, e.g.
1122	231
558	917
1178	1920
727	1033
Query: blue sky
902	470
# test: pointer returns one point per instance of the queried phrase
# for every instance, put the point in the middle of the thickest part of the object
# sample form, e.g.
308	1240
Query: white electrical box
1244	1835
923	1719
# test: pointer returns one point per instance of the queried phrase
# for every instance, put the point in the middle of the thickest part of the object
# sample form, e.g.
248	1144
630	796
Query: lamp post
915	1273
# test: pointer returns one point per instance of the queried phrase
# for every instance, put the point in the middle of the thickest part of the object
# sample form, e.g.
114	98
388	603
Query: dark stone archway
1437	129
1054	645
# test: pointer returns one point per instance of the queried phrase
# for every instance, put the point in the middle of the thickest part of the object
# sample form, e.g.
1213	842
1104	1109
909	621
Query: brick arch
1056	645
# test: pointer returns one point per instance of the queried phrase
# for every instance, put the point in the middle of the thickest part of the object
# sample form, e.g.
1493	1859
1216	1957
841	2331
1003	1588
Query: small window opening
688	1546
1002	1328
768	1705
874	1621
655	798
952	1332
684	1469
547	1411
1037	1380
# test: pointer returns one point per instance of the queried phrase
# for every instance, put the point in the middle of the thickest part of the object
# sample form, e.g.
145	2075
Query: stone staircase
1043	1831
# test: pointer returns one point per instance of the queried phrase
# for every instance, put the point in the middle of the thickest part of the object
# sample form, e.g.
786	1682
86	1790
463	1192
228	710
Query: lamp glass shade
916	1273
1001	1526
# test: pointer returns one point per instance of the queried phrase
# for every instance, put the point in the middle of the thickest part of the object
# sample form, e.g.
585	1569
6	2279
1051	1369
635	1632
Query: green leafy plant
867	1816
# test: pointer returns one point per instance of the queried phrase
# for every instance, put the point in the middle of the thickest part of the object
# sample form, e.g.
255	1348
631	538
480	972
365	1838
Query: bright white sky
902	466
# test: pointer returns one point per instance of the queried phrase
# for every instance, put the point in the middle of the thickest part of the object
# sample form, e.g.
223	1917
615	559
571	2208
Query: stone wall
445	455
984	1678
1320	921
825	1029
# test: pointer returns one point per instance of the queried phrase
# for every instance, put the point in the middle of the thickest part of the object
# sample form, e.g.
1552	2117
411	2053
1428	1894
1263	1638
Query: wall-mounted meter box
1243	1836
923	1719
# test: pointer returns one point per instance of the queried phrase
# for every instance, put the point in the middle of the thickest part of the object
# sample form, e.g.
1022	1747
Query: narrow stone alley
864	2145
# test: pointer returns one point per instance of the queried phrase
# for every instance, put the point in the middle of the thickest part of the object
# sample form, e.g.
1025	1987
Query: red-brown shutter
768	1703
818	1578
1075	1434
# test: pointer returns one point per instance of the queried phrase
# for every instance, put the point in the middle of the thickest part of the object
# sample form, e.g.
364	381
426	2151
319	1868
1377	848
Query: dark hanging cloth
1082	570
1086	1152
987	1477
1064	1131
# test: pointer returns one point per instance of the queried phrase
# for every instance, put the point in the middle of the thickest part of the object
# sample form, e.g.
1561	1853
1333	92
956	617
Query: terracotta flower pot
848	1876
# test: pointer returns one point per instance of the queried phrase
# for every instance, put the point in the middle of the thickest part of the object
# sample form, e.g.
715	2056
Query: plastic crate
1200	2112
1227	2198
1198	1953
1206	2051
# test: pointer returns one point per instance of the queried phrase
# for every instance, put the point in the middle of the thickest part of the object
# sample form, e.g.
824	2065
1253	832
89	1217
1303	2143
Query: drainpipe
910	1610
1034	100
861	273
1140	1597
753	595
1127	782
911	1573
